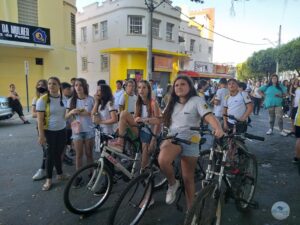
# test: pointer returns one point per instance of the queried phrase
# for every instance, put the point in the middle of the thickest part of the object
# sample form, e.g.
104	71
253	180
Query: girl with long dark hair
274	93
185	109
79	108
51	127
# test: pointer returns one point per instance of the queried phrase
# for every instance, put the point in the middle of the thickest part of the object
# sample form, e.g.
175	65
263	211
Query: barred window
104	60
28	12
83	34
103	27
73	29
209	50
169	36
135	24
192	45
84	64
155	28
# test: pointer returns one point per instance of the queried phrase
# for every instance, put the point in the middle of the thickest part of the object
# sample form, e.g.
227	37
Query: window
103	27
95	31
104	63
135	24
73	31
209	50
84	64
192	45
83	34
27	12
200	47
169	36
155	28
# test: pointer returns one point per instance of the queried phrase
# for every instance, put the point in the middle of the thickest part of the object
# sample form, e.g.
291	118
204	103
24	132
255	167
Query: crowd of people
66	114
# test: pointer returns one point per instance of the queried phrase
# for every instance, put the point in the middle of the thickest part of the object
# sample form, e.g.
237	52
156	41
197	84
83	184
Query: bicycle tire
127	209
80	199
206	208
159	179
245	181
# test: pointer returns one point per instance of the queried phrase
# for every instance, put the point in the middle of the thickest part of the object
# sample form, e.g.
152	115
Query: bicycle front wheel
245	180
133	201
206	208
87	189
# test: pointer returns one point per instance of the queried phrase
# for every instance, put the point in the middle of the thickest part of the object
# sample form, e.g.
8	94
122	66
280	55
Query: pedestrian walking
256	98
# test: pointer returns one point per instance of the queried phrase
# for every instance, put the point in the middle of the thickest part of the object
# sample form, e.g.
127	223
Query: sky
251	22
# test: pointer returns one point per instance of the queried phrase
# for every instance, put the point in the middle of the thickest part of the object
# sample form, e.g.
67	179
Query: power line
221	35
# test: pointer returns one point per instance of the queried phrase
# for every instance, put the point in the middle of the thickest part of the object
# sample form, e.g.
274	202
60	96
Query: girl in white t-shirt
79	107
185	110
146	109
104	112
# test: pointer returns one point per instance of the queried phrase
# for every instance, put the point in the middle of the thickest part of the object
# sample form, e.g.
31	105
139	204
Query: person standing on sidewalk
15	104
219	99
117	95
256	97
41	89
80	107
52	129
274	92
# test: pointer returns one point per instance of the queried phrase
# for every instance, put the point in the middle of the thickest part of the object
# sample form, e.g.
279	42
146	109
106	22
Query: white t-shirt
220	95
236	105
105	115
117	97
56	118
131	102
256	94
159	92
188	115
297	98
86	124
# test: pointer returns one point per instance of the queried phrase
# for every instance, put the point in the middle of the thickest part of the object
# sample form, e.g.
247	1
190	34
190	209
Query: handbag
75	126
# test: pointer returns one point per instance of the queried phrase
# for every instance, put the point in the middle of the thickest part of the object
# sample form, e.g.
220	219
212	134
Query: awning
194	74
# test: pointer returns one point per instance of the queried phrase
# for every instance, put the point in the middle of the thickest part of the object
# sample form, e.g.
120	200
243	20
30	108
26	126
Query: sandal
62	177
47	186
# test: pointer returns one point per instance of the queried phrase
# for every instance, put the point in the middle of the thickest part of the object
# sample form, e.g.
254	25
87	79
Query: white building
112	42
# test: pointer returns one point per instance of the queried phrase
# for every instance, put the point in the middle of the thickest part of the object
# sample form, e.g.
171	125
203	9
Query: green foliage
289	56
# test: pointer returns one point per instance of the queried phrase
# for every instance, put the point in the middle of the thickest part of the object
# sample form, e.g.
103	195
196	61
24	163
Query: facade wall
58	60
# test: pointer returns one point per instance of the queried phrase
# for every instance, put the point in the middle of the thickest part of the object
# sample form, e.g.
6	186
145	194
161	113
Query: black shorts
293	112
297	132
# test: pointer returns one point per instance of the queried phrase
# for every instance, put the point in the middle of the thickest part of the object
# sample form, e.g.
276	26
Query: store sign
24	33
163	64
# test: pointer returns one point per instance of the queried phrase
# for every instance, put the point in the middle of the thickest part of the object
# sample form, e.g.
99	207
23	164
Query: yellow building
40	34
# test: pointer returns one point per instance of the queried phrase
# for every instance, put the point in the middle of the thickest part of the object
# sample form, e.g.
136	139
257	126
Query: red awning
204	75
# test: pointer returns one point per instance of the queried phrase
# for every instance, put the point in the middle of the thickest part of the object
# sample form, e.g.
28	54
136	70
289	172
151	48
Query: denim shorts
145	137
191	150
83	135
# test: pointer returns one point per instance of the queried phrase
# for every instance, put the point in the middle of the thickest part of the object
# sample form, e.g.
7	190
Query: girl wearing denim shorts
185	110
79	108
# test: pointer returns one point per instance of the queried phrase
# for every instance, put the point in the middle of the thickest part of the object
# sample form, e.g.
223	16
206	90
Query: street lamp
275	46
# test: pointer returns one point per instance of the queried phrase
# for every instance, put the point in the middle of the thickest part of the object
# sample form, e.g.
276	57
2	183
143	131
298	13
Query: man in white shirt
237	103
219	99
117	95
128	99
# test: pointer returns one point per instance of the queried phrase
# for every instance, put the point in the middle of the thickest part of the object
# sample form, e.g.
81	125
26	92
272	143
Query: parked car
5	111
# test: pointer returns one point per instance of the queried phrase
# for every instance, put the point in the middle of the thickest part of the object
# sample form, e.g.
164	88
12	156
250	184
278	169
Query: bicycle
136	197
240	180
98	178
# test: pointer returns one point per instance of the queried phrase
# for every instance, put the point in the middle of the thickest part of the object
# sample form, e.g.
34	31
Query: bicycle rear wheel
245	181
79	198
206	208
133	201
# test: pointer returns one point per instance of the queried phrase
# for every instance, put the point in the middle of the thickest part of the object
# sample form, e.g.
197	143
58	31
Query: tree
289	56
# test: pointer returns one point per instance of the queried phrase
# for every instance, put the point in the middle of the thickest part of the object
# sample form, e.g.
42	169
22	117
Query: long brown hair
75	95
167	114
60	92
140	102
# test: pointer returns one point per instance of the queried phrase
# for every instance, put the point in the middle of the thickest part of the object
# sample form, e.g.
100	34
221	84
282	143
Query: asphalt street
22	202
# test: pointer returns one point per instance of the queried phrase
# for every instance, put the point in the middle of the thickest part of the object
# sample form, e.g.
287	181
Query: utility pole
151	7
278	45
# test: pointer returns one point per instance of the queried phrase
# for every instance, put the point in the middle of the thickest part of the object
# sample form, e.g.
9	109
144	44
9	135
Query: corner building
40	34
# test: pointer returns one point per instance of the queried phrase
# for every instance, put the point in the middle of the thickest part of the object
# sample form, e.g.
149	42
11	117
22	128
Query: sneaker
72	152
296	160
284	134
78	182
39	175
26	122
269	132
171	192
